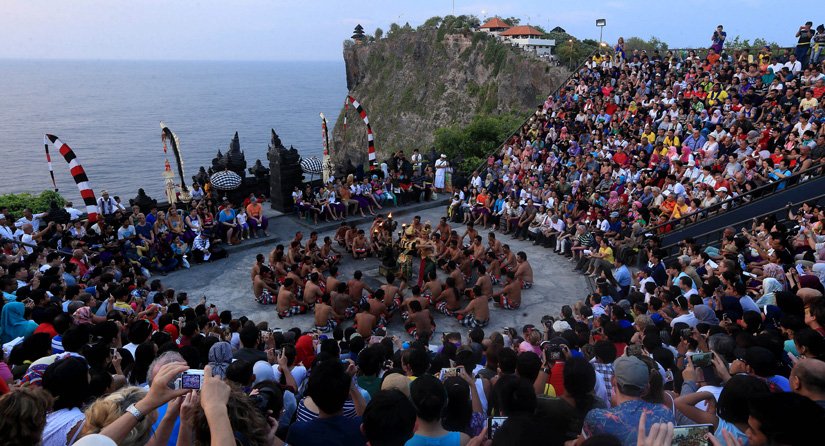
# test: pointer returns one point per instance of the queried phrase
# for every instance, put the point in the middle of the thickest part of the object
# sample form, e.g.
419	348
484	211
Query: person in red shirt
78	259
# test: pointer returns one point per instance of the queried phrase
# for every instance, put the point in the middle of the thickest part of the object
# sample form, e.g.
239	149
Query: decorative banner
78	173
327	163
166	134
49	161
370	135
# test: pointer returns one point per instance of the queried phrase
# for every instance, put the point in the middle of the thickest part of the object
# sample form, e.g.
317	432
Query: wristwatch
132	409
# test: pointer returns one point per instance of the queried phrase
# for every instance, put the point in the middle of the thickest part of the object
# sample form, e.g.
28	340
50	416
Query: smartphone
702	359
190	379
493	425
113	351
448	372
691	435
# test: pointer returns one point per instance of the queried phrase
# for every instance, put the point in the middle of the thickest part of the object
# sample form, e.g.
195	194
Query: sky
315	30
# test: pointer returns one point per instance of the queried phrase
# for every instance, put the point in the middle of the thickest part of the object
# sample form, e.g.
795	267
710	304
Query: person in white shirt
74	214
793	65
126	231
680	305
30	218
106	205
6	232
30	237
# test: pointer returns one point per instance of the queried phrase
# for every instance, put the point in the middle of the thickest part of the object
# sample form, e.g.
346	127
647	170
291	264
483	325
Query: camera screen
188	381
493	425
693	435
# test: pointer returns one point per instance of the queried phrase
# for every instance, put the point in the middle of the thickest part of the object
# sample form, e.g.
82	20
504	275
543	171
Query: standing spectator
803	44
718	39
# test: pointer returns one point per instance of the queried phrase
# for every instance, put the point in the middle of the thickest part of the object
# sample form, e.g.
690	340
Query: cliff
412	83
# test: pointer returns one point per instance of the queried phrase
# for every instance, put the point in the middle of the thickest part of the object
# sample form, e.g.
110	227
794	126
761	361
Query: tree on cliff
650	45
379	33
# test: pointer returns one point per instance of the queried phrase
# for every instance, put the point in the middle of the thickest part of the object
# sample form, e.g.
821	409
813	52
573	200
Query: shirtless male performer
416	297
365	321
359	246
288	305
260	286
524	272
312	291
510	297
356	288
477	313
420	324
325	320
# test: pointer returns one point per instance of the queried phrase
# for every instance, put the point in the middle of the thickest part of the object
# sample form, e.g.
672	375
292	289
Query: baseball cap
632	375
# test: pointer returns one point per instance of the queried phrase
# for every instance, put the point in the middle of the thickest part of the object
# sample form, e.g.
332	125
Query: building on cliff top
528	38
494	26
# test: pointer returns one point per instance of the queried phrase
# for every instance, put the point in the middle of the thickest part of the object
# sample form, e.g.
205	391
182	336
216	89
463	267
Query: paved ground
227	282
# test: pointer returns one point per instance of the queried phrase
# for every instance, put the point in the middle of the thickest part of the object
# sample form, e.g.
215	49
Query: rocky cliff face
412	83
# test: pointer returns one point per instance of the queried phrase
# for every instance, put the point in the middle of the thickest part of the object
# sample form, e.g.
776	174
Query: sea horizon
108	111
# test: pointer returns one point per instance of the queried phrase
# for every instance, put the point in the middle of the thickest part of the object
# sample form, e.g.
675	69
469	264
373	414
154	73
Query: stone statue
201	177
235	159
143	201
258	170
218	163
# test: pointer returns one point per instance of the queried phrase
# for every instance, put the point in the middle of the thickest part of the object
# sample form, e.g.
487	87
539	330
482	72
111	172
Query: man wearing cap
106	205
629	383
257	219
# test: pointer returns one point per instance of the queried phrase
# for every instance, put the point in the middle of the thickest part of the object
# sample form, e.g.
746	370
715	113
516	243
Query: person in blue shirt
630	381
778	172
622	277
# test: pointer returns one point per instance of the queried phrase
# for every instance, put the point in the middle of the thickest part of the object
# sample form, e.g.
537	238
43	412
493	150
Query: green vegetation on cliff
38	203
470	144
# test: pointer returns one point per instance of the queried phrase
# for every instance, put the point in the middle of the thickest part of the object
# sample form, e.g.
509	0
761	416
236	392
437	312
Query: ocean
109	113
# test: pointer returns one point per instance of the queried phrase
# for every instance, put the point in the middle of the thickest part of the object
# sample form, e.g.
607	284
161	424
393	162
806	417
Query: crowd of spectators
729	336
641	143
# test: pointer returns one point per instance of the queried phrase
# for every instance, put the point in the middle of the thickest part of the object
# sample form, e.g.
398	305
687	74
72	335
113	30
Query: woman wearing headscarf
819	271
704	313
613	201
220	356
13	322
811	281
173	331
305	351
770	287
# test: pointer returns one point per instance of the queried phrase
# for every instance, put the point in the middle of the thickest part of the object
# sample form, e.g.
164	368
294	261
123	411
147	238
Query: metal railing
755	194
714	235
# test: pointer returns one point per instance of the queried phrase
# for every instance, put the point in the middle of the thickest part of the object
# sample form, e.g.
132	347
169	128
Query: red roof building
495	24
522	31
